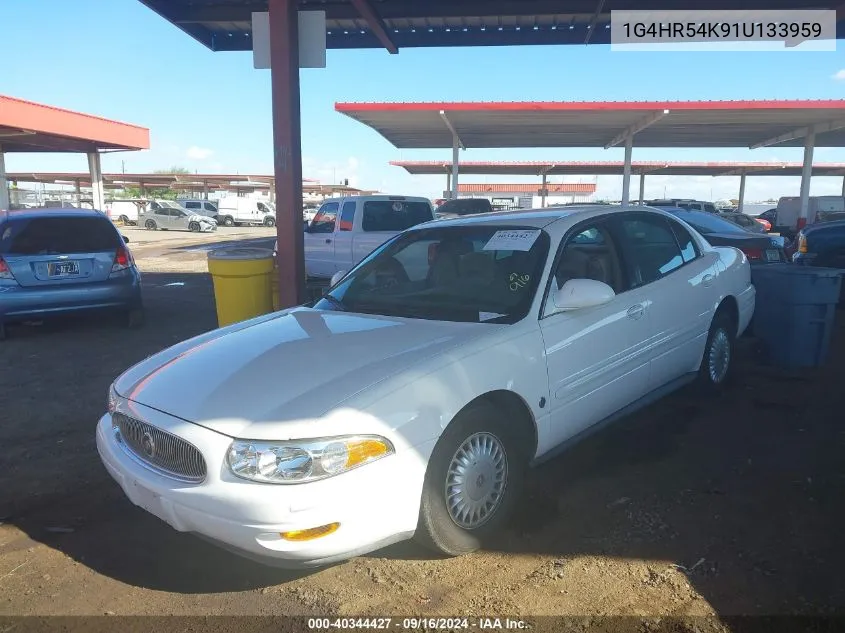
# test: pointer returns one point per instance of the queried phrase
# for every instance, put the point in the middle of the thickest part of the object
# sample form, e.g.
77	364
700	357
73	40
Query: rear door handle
635	312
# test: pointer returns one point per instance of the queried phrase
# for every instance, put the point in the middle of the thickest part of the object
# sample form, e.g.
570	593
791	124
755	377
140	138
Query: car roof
818	226
538	218
70	212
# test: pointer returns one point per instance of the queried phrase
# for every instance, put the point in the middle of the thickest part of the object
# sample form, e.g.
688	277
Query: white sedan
410	400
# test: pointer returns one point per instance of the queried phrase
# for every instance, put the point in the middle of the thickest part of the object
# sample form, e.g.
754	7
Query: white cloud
198	153
840	76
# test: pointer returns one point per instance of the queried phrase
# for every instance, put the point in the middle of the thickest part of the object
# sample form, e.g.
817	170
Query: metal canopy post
843	186
642	187
98	198
626	170
455	158
806	174
741	192
287	150
449	181
5	203
543	192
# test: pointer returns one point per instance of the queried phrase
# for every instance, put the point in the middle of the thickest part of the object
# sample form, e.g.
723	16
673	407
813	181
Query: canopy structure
671	124
32	127
226	25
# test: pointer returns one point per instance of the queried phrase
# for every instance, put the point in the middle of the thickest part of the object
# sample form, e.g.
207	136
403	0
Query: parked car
57	261
822	244
745	221
683	203
421	387
463	206
345	230
171	216
208	208
758	248
237	210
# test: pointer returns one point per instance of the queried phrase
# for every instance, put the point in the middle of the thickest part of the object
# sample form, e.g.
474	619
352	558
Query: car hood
202	218
295	365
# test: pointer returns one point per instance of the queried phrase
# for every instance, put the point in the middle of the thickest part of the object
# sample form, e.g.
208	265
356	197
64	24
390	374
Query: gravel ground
692	507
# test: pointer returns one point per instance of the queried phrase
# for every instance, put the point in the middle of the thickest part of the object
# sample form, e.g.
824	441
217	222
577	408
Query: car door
597	358
162	217
179	219
677	279
319	241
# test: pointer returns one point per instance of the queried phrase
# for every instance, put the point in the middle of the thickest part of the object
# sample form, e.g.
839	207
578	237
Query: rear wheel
717	362
150	225
194	227
269	222
123	219
472	482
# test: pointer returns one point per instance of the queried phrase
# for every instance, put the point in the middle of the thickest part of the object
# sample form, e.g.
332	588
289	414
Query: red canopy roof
568	188
604	123
33	127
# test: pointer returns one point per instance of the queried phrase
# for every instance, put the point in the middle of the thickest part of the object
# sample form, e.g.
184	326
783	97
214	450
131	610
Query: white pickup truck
345	230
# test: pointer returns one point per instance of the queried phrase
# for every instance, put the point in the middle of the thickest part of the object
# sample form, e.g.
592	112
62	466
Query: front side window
475	274
590	254
325	219
652	249
347	215
689	249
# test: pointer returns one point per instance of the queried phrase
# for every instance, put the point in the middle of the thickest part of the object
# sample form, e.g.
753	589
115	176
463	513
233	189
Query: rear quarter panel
735	281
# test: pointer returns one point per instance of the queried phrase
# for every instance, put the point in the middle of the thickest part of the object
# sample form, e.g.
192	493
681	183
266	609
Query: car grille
158	450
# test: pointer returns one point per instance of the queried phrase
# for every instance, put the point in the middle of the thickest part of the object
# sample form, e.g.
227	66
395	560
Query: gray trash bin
795	312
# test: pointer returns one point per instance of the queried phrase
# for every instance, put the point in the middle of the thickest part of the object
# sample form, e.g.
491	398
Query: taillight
753	253
802	243
5	273
122	260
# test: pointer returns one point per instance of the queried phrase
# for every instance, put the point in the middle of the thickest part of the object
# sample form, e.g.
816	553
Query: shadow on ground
743	491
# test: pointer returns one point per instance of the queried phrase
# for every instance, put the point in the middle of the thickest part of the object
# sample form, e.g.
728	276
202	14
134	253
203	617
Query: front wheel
194	227
228	221
473	479
150	225
269	222
717	362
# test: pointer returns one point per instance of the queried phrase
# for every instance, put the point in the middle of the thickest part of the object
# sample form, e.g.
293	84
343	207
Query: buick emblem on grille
148	445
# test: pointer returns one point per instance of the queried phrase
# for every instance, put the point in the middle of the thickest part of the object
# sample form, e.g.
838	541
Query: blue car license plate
58	269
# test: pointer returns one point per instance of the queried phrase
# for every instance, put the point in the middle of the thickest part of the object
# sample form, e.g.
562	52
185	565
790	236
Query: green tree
164	193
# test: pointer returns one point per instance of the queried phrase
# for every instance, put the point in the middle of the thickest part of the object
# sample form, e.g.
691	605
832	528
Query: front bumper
376	504
22	302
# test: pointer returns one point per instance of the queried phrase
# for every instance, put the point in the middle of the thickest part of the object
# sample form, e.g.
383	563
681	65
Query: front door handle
707	279
635	312
328	240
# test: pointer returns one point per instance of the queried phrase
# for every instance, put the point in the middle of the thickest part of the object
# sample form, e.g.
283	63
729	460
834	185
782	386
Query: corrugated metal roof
598	168
523	188
601	123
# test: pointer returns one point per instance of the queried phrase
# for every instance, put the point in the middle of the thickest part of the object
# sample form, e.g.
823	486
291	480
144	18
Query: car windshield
475	274
57	236
169	205
706	223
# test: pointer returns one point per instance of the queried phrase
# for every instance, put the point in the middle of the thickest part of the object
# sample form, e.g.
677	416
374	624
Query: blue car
59	261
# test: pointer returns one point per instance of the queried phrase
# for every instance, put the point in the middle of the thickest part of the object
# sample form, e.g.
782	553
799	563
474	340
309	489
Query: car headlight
304	461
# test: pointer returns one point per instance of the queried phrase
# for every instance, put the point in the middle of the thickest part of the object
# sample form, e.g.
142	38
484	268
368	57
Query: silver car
171	216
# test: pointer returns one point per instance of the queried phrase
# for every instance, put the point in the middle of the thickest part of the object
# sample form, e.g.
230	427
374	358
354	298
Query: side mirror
577	294
337	277
125	239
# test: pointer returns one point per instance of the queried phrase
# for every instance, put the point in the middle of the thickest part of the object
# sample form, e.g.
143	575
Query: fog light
311	533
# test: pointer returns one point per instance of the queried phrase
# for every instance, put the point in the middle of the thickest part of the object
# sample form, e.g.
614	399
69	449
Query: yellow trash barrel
274	284
243	283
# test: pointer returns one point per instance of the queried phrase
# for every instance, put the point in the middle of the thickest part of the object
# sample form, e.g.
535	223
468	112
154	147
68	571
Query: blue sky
211	111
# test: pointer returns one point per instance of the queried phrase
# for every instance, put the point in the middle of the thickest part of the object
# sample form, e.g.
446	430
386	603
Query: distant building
527	195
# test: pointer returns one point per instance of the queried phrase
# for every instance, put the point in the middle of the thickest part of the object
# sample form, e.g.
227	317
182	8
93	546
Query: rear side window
395	215
652	247
58	236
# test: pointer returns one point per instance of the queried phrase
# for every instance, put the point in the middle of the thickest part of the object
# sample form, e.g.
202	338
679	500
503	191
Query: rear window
57	236
395	215
710	223
466	206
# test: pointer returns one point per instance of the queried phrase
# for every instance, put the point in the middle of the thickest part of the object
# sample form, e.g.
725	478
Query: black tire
437	529
194	227
150	225
228	221
269	222
720	349
123	219
135	318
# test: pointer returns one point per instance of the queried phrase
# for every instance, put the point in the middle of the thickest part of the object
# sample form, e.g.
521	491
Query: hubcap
719	357
475	480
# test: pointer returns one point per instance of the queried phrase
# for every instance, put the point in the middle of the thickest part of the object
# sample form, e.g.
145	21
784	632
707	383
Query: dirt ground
691	507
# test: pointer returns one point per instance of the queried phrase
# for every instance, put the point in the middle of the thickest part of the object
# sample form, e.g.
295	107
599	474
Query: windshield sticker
517	281
519	240
489	316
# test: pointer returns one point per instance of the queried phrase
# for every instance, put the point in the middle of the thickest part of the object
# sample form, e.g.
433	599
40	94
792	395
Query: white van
235	210
125	211
789	209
